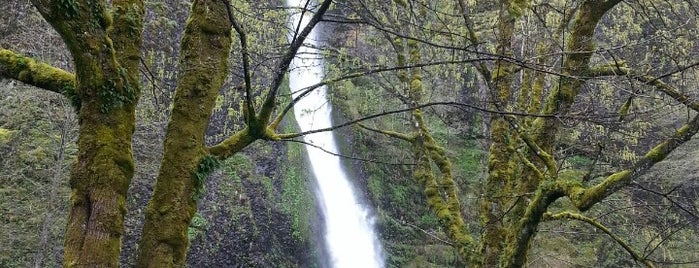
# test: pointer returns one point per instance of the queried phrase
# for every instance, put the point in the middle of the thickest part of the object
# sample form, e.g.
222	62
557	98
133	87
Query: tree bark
205	48
99	182
105	95
501	169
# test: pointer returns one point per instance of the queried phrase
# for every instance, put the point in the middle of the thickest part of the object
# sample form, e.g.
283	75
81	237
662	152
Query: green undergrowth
198	226
297	197
31	124
255	212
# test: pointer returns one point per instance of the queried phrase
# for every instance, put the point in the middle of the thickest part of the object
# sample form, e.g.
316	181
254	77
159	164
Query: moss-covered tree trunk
501	169
519	186
205	47
528	194
99	182
440	189
105	93
559	101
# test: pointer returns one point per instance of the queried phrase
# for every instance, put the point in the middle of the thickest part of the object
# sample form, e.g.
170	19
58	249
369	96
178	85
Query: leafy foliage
207	165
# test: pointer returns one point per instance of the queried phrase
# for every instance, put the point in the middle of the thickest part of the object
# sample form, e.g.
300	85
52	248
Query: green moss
659	152
376	187
117	92
517	7
500	72
197	227
624	110
571	174
446	208
39	74
587	198
69	8
401	3
206	165
470	162
5	135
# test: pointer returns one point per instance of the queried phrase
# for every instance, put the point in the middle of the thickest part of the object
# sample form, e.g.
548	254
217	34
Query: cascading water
349	234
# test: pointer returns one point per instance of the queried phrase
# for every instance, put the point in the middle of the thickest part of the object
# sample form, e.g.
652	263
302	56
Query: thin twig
250	110
346	156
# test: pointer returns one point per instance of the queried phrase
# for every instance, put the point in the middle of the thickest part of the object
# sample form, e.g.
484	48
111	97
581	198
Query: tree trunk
105	95
99	182
501	168
205	47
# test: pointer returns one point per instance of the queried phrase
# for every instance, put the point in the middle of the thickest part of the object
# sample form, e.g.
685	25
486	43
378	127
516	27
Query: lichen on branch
595	223
584	198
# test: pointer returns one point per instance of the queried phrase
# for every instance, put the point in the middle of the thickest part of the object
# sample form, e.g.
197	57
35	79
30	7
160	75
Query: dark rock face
245	224
244	217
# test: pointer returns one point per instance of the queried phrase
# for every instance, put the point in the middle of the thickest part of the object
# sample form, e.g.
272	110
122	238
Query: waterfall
349	233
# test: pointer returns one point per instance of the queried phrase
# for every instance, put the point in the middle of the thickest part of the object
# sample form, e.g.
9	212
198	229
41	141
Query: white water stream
349	227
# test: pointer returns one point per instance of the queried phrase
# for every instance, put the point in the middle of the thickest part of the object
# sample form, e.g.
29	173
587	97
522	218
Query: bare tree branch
346	156
269	103
242	35
308	90
444	103
620	70
584	198
575	216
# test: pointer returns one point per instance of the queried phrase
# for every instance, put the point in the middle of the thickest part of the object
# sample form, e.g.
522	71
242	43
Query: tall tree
104	39
538	62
